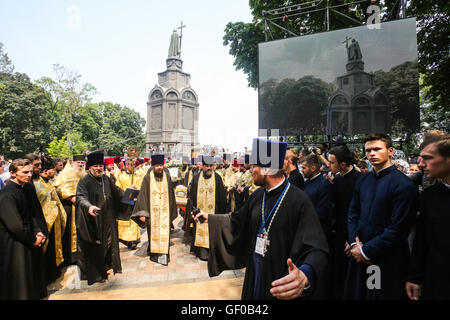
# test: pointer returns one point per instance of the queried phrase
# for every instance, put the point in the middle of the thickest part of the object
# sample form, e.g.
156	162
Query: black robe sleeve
229	244
121	210
221	195
142	205
36	209
11	218
192	193
87	225
309	245
172	200
420	249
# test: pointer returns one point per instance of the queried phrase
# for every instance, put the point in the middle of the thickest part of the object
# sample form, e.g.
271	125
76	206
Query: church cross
181	33
347	39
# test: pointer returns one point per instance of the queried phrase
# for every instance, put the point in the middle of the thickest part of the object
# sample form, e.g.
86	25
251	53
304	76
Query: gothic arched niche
156	95
339	100
172	95
188	95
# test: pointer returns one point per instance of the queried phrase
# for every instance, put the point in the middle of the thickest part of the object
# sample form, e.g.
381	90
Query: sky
119	47
324	55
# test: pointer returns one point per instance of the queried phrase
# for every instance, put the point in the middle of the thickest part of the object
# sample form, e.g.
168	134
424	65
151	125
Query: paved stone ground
144	279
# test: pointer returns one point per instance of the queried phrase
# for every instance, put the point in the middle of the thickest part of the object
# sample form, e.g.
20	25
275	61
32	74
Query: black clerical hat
95	158
198	160
157	159
268	153
246	158
185	160
207	160
79	157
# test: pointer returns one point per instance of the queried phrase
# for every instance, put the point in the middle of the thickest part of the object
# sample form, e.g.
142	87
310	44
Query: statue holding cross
175	42
353	51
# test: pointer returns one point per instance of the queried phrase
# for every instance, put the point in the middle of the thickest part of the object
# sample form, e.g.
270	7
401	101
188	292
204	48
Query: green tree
121	128
66	98
400	84
59	148
23	120
433	38
305	100
6	65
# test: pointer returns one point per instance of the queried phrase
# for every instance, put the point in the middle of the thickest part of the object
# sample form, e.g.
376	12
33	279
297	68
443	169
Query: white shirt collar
277	185
447	185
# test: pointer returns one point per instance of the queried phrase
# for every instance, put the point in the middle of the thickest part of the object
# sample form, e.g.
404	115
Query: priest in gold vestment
55	217
207	193
156	208
66	186
129	231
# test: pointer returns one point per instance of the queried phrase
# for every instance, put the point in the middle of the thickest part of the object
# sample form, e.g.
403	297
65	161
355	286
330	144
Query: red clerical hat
109	161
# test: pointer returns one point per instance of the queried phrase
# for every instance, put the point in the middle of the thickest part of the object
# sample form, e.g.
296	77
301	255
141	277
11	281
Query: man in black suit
291	169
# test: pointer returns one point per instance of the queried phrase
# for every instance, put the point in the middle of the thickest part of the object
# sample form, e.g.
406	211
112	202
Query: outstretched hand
290	286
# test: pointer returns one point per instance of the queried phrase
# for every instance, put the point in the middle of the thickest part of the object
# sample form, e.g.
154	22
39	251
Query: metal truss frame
272	17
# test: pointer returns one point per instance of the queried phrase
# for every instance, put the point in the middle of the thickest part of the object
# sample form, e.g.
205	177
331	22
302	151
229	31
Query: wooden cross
181	33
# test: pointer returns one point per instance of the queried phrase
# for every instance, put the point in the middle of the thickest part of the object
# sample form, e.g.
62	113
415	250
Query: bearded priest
156	208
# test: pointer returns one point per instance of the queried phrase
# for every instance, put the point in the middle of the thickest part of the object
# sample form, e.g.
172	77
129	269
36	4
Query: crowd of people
310	223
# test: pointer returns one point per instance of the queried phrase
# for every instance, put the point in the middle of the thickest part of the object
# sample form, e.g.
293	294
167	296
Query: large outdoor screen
351	81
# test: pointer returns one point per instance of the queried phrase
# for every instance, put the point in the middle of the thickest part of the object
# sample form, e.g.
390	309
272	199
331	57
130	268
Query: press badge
260	245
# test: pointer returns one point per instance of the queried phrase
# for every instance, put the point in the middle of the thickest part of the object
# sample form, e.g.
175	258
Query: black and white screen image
350	81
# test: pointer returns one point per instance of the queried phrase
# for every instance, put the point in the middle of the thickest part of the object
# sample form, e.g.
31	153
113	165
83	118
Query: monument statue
354	51
174	48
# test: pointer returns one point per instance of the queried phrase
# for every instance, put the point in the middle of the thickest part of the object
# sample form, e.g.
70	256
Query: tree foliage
23	122
54	113
400	86
59	148
6	65
305	100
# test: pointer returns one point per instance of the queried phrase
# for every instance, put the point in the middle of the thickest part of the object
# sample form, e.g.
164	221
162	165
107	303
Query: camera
196	211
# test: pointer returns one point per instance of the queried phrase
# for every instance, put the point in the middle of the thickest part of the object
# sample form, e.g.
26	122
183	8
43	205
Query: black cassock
220	207
22	273
295	233
343	188
97	237
381	214
430	260
142	209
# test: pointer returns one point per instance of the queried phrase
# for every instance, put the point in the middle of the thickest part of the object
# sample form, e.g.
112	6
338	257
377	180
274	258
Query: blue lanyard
264	219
